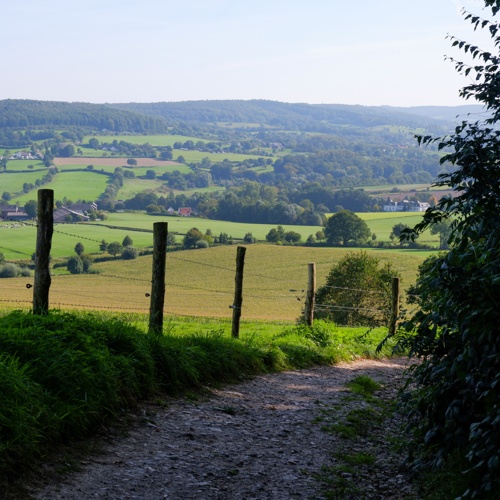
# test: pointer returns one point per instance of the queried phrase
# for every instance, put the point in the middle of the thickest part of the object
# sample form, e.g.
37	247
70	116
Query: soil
277	436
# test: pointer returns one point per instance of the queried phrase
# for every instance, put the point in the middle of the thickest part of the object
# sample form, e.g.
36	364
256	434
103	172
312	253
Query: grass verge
64	375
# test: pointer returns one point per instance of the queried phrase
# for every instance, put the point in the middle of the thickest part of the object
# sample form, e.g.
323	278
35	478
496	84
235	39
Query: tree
276	235
130	253
127	241
455	405
192	237
442	228
292	237
31	208
170	239
344	227
93	143
103	246
397	231
2	257
67	151
114	248
75	265
248	238
132	162
357	291
79	249
6	196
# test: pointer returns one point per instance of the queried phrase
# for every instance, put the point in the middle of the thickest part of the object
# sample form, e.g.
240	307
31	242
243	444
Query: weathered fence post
395	306
160	233
238	291
311	295
45	229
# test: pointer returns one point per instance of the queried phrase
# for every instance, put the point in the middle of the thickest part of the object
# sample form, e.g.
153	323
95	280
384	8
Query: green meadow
13	182
74	185
17	243
19	165
200	283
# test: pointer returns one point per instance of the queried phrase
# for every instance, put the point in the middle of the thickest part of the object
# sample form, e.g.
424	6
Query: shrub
9	270
202	244
75	265
130	253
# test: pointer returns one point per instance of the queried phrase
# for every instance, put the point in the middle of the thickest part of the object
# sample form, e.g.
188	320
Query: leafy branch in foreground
455	409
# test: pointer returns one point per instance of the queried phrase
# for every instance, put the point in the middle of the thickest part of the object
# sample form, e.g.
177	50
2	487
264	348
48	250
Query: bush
75	265
357	292
202	244
130	253
9	270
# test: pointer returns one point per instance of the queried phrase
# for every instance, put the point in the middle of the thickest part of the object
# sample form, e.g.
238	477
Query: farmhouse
185	211
405	206
12	212
83	208
62	215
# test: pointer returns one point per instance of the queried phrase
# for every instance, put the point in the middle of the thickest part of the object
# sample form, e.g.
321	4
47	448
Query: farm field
74	185
201	282
19	165
112	162
13	182
19	242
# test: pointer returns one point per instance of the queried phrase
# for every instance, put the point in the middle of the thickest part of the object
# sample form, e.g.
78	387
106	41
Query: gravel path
273	437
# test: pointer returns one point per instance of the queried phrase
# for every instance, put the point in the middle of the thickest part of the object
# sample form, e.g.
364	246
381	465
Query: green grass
13	182
199	282
18	165
64	375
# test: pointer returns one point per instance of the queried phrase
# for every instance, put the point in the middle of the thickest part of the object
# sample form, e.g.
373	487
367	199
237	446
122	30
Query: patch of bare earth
261	439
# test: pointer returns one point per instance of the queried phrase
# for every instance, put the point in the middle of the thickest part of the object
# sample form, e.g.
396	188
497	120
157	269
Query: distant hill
156	117
26	114
306	117
469	112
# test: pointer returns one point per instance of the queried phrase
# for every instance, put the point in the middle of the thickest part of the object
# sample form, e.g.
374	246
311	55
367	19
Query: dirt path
262	439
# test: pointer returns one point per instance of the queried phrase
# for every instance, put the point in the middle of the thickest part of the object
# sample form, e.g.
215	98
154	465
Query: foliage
9	270
248	238
114	248
127	241
357	291
64	375
31	208
79	248
345	227
455	406
130	253
171	239
192	237
75	265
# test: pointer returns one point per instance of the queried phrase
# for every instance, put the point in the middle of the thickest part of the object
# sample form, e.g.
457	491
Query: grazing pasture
19	243
74	185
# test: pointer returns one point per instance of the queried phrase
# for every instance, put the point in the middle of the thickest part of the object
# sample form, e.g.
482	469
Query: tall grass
63	375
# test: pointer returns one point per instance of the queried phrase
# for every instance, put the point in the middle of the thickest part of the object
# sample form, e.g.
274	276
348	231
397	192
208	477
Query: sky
373	53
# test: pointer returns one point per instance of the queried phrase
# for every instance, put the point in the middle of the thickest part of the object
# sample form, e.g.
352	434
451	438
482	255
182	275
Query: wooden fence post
238	291
45	229
311	295
160	233
395	306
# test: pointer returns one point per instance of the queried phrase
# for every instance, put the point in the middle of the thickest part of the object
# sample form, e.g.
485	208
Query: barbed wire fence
89	294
